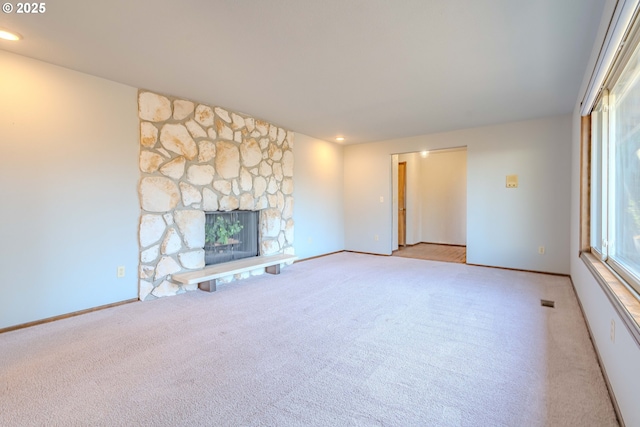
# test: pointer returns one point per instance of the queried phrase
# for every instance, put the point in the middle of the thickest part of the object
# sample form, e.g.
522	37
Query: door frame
402	204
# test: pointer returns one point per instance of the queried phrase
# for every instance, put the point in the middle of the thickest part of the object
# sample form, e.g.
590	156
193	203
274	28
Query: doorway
430	204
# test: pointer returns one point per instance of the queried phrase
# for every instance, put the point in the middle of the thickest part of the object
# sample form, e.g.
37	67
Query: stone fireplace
230	236
197	159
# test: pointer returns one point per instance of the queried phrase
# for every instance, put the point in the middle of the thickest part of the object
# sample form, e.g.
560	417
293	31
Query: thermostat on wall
512	181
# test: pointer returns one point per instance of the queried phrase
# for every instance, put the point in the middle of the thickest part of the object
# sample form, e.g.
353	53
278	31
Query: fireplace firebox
230	236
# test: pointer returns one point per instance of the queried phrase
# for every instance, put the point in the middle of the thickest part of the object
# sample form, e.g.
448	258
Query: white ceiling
368	69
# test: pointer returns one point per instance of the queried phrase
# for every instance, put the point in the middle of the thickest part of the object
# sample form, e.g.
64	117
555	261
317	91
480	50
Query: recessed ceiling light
339	138
9	35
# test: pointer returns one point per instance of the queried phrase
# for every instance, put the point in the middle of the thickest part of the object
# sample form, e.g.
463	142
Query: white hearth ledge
206	278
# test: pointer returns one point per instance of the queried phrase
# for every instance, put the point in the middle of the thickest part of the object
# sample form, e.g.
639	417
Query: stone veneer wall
196	158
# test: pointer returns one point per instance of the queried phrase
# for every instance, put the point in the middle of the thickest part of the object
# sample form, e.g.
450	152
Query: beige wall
318	191
68	174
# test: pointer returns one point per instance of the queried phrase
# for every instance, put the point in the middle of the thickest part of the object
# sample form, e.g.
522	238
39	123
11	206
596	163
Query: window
610	166
615	172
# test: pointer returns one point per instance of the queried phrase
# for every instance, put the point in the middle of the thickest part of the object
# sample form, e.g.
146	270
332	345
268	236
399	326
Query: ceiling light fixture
9	35
424	154
339	138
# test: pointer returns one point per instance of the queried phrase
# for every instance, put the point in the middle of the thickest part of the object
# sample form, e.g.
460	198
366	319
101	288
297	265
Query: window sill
624	301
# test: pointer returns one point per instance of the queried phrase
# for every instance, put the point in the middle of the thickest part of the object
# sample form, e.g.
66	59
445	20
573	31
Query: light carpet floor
344	340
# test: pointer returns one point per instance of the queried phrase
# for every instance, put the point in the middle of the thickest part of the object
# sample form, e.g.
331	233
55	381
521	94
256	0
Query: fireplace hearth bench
207	277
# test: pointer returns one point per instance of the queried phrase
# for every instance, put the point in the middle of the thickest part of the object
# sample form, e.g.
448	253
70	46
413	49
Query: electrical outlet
310	240
541	250
121	271
613	331
376	238
381	199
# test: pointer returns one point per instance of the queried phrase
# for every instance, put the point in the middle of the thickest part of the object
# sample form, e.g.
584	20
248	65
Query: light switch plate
512	181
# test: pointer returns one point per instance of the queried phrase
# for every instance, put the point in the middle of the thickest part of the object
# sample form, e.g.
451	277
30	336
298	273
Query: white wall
319	197
505	227
68	185
619	358
443	191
